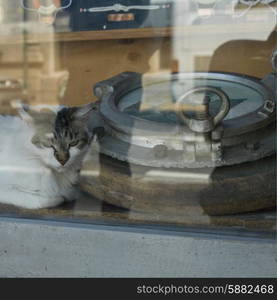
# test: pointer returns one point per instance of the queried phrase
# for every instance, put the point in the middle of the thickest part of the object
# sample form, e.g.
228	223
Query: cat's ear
83	112
23	111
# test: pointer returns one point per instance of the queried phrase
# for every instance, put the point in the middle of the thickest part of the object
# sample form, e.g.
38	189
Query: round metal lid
143	118
156	101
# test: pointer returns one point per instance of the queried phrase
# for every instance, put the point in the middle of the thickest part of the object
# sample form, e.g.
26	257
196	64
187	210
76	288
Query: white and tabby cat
41	154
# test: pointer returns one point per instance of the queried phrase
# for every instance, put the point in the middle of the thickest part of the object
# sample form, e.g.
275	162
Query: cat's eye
73	144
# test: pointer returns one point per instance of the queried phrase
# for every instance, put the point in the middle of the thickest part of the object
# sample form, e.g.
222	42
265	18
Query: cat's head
60	137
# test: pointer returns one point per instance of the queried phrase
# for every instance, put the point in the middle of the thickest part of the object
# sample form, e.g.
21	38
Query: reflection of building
37	58
9	12
180	200
28	60
199	32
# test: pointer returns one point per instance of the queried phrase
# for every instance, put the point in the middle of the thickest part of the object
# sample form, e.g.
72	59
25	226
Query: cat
41	154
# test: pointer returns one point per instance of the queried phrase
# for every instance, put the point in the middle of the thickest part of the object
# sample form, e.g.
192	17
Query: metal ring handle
209	123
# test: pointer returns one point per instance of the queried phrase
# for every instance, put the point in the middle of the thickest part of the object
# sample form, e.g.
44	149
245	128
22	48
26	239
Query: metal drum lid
147	124
153	102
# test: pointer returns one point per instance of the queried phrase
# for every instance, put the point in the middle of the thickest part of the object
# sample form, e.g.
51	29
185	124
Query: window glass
142	112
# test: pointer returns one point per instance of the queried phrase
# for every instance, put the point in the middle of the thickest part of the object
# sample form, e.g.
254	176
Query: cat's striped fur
41	154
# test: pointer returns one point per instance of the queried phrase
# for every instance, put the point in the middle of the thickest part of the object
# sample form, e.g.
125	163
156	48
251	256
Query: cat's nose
63	161
62	158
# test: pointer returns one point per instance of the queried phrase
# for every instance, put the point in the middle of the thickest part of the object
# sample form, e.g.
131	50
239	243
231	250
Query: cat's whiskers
33	157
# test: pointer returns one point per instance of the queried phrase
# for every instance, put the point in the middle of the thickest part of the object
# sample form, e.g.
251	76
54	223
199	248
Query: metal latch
204	140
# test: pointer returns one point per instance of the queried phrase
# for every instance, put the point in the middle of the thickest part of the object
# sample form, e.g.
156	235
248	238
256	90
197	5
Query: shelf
87	35
251	30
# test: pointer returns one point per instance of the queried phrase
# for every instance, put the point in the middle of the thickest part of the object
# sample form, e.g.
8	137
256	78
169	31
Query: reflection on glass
180	126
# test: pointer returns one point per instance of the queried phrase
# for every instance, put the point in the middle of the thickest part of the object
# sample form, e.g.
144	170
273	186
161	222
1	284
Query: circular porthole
195	140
